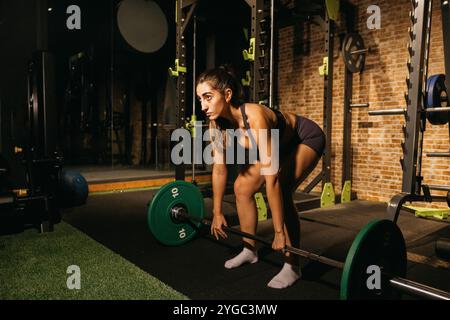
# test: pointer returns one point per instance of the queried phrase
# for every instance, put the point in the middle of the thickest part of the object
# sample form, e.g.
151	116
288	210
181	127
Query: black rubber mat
196	269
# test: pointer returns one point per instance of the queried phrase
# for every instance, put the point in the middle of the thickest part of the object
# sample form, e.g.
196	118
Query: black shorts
309	133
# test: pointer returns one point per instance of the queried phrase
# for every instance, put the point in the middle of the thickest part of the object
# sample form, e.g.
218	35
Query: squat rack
415	112
259	57
328	197
262	63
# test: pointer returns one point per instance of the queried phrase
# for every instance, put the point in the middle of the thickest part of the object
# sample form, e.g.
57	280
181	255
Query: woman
301	144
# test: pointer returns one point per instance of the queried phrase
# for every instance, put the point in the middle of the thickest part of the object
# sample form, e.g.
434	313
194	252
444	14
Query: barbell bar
438	187
439	154
439	109
361	51
359	105
436	102
397	111
176	212
179	213
387	112
418	289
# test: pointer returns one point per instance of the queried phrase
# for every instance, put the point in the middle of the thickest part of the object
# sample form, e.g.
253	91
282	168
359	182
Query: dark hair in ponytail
223	78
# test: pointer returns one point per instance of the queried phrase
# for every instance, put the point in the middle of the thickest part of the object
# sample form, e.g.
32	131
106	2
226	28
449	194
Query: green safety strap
323	69
332	9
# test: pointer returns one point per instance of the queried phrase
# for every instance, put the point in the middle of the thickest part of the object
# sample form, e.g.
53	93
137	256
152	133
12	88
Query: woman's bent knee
242	189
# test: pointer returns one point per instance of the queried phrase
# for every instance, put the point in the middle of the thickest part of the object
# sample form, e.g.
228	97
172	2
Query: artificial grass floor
34	266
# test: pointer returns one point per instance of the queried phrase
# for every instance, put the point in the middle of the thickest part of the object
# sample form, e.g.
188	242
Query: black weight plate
354	62
437	97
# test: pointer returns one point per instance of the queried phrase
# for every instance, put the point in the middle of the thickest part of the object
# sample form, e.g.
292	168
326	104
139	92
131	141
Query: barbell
436	103
176	214
353	52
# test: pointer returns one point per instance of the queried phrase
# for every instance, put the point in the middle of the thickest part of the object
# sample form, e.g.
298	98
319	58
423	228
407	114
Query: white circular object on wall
142	24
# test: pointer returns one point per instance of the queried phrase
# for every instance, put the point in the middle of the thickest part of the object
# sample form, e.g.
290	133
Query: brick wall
377	174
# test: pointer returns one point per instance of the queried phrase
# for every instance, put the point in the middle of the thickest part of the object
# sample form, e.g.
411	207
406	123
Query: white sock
246	256
286	277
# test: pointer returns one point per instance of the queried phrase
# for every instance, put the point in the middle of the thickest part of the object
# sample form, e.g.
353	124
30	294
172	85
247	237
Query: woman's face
213	101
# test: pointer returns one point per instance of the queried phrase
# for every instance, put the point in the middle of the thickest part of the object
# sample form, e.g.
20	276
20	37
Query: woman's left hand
279	242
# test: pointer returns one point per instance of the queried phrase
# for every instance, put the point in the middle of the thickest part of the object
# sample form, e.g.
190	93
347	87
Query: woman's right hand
216	226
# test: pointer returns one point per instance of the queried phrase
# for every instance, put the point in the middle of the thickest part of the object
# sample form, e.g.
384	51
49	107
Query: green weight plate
167	230
380	243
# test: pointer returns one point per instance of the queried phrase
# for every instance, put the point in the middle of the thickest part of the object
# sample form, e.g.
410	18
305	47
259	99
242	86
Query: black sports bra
281	121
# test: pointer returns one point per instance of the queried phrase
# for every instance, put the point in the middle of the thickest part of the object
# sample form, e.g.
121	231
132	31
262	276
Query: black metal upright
445	10
415	114
259	84
328	100
184	10
417	67
347	151
413	130
325	174
42	113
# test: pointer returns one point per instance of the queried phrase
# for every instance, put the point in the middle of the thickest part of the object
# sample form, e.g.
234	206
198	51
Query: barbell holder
438	187
402	284
359	105
439	154
387	112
